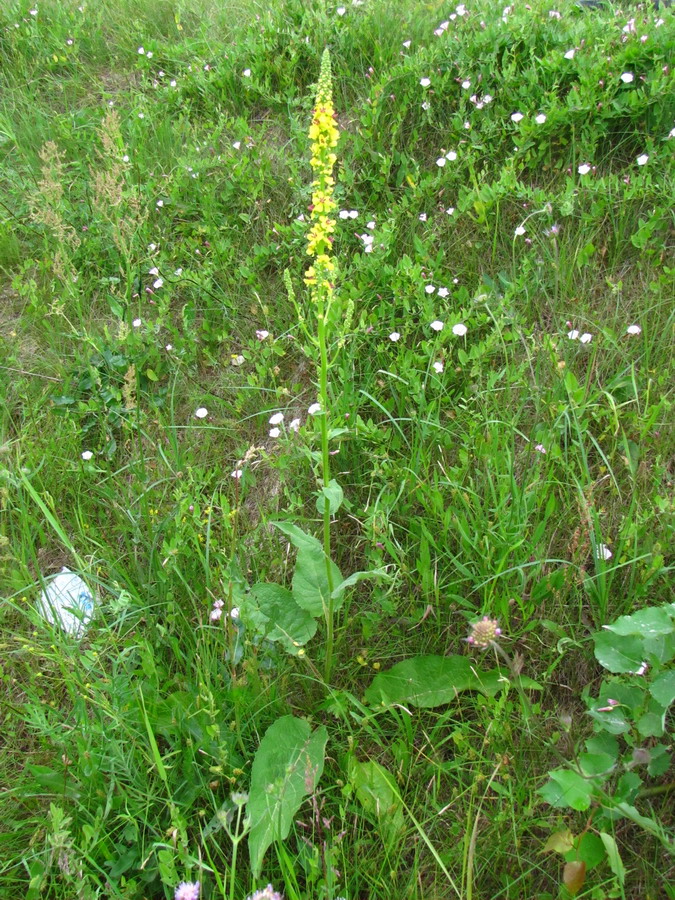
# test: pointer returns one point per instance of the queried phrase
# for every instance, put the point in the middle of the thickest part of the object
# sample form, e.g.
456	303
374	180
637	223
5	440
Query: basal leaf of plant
649	622
618	653
287	766
376	791
424	681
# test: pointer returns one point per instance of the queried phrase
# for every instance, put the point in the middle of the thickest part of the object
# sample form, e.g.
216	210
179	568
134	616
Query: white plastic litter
68	602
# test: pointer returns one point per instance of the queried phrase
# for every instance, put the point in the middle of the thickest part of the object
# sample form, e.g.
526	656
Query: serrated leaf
663	688
311	588
423	681
284	620
613	856
574	875
286	768
559	842
618	653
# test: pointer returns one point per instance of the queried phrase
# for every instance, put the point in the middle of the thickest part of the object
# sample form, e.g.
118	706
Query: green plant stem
325	473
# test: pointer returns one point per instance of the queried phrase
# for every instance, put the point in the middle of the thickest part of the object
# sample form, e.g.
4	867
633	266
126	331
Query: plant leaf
574	875
282	619
287	766
376	791
567	788
618	653
424	681
613	856
663	688
353	579
334	494
310	580
297	536
560	842
647	623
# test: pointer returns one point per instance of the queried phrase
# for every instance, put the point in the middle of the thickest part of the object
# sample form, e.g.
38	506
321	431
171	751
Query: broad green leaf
310	581
560	842
659	762
286	768
356	577
652	722
649	622
618	653
376	791
282	619
596	763
613	856
567	788
334	494
589	848
424	681
663	688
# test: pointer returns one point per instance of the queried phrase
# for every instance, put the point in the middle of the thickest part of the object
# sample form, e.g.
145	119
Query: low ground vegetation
380	554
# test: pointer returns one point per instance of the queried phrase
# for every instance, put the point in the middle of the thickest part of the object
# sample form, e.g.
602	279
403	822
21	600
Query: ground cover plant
336	360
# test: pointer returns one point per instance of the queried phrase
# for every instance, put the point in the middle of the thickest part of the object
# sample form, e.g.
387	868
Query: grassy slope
440	472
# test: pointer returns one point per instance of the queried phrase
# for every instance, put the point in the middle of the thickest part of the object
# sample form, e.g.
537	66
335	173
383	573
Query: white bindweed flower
407	44
237	359
86	455
178	271
426	105
370	225
517	117
460	329
141	51
633	329
137	323
642	160
344	214
141	115
520	231
540	119
441	161
570	54
276	419
627	77
340	10
158	283
160	204
153	271
429	288
261	334
436	325
573	335
466	84
294	425
443	292
586	338
237	474
423	217
425	82
450	211
201	413
451	155
169	347
274	432
314	409
215	614
671	133
246	73
394	336
438	367
236	145
353	214
603	552
583	169
149	54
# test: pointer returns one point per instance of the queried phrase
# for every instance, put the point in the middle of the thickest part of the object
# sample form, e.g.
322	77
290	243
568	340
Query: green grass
120	751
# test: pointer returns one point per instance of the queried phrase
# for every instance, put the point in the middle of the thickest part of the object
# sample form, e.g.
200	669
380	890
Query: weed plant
295	492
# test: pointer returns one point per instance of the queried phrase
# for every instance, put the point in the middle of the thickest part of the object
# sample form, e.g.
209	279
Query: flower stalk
320	277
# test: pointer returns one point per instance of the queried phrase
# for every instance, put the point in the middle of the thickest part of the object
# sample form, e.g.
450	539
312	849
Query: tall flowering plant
320	278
